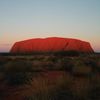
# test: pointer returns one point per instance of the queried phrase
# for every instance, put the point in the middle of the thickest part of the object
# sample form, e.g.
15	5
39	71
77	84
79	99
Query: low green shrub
19	78
18	72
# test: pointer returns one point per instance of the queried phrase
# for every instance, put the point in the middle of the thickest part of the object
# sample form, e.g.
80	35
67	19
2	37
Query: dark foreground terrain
49	77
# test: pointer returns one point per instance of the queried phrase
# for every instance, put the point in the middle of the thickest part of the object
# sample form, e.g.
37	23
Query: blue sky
24	19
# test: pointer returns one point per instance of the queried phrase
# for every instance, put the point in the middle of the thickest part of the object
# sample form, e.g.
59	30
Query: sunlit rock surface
51	44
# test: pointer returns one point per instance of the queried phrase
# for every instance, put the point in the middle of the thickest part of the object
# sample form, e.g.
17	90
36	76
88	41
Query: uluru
51	44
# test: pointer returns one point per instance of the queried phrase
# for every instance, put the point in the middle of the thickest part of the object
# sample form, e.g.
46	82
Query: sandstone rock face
51	44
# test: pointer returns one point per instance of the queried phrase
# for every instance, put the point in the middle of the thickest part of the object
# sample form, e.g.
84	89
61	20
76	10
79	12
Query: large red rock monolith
51	44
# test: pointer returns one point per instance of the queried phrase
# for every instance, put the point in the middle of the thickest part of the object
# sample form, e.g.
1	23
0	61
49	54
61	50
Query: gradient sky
25	19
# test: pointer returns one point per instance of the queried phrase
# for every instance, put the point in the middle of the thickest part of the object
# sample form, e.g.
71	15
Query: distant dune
51	44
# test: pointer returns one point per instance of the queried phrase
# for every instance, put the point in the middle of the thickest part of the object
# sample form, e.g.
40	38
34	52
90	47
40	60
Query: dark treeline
57	53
